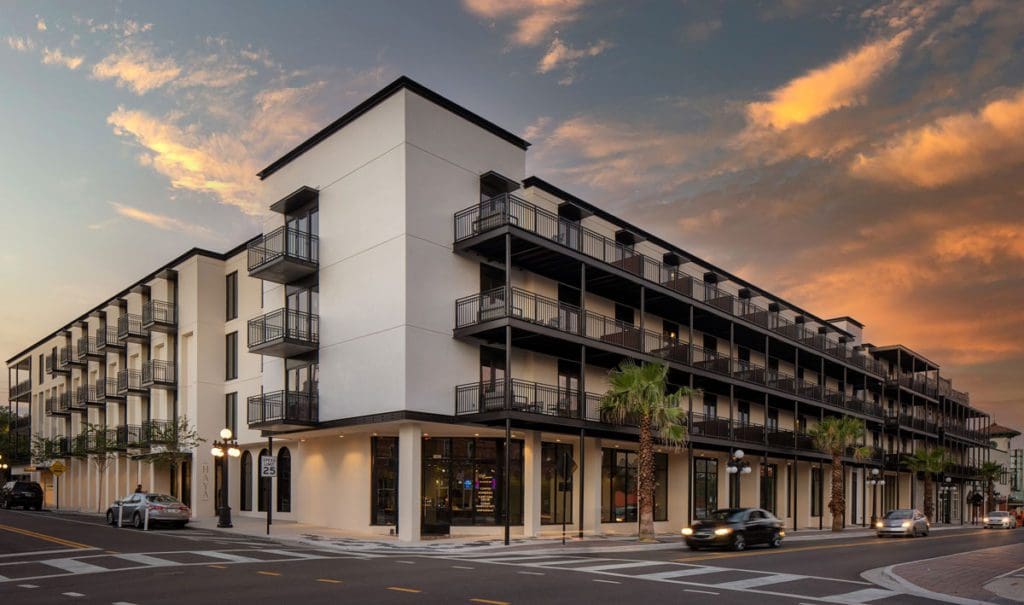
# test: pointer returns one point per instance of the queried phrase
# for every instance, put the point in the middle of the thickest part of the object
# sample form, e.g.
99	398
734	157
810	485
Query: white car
999	518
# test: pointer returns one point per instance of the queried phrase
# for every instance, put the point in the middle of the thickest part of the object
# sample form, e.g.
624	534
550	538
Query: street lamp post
226	448
737	465
874	481
3	467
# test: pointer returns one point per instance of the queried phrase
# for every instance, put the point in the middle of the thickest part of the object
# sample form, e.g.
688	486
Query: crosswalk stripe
860	596
508	559
74	566
213	554
551	563
614	566
681	573
761	581
292	553
146	560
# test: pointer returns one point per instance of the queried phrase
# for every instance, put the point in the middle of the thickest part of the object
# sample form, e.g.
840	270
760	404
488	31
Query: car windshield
162	499
900	514
726	514
999	514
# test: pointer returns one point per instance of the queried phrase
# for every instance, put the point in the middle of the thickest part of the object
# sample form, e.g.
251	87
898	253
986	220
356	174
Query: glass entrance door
437	516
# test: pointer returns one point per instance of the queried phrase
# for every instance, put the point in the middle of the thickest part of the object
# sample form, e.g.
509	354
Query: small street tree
100	444
44	449
835	436
640	393
178	439
990	472
930	462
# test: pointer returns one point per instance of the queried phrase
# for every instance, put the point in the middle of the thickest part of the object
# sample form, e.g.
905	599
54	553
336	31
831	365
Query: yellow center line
489	602
47	538
784	550
328	581
400	589
218	566
113	552
268	573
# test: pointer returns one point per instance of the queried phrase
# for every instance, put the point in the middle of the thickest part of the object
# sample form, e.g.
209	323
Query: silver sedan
999	519
903	522
160	508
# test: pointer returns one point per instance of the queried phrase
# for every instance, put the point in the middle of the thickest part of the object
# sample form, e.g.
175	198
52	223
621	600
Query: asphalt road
46	558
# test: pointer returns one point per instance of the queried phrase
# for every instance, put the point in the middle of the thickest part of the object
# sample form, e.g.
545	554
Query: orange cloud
842	83
160	221
137	68
20	44
535	19
951	149
56	57
561	55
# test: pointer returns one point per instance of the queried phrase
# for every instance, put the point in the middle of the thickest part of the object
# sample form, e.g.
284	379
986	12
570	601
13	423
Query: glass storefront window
705	487
384	473
552	510
769	472
463	482
619	475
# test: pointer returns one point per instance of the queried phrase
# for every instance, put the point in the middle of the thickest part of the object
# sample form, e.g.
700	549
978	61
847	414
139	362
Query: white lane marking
507	559
761	581
73	566
27	586
146	560
680	573
293	553
59	551
861	596
608	581
706	592
122	603
462	567
406	562
610	566
72	594
530	573
214	554
552	563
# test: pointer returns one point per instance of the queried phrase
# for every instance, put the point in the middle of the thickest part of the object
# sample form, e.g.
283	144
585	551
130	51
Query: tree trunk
837	505
645	484
990	489
929	501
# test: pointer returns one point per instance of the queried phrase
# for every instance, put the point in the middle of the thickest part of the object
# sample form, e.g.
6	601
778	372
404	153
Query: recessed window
231	356
231	296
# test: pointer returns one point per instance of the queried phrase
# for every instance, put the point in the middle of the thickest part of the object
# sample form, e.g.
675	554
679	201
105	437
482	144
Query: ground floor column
591	489
531	483
410	459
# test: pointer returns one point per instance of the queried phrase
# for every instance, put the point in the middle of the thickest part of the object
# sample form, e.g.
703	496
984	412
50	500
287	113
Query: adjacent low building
423	330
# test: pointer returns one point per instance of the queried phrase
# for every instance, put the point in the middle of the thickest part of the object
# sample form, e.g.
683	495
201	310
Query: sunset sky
857	158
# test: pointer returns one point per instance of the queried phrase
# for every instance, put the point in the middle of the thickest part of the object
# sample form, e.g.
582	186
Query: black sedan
735	528
26	494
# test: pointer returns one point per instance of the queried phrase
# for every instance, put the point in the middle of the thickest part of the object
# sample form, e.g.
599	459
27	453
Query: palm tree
929	461
834	436
990	473
640	392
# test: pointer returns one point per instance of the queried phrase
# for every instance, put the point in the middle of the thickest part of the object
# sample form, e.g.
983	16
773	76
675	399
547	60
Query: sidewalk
287	531
989	575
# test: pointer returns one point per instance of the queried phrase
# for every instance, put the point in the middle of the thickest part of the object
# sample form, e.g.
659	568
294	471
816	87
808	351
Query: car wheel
739	542
775	540
111	520
137	521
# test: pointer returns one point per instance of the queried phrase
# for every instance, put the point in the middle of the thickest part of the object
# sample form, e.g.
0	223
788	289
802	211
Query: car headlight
782	534
723	531
984	519
879	525
687	531
905	524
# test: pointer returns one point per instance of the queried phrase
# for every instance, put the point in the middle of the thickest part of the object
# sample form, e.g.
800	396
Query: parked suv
26	494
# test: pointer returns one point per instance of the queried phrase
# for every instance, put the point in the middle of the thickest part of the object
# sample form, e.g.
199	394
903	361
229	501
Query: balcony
160	374
284	333
107	390
528	397
58	405
908	421
59	363
128	436
157	432
962	432
90	395
480	314
63	447
284	255
21	391
283	410
88	349
914	382
159	316
106	339
74	402
129	329
543	228
129	382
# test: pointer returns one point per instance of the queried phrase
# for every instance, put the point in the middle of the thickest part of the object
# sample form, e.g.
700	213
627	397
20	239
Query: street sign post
566	467
57	469
268	466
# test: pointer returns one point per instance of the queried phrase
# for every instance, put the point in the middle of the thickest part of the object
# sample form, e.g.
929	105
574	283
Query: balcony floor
283	270
284	347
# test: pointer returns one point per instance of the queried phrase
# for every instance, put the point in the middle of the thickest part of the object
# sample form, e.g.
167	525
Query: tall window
769	474
705	487
743	413
710	405
816	487
619	474
552	497
463	481
40	369
231	296
231	356
231	412
245	482
263	493
384	473
772	420
284	481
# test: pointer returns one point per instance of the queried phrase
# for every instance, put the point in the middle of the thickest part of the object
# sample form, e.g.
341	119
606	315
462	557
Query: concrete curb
886	577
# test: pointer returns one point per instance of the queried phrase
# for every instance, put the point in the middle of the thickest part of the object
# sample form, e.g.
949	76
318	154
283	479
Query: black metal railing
531	397
86	347
283	242
158	312
20	389
509	210
284	407
549	313
80	398
130	326
107	388
158	431
284	324
129	380
59	403
129	435
107	337
157	372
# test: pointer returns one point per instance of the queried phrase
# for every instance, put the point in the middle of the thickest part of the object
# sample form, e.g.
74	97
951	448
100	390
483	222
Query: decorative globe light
225	433
234	452
217	452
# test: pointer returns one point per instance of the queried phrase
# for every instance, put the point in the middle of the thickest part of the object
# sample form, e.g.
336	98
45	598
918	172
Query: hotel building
423	330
